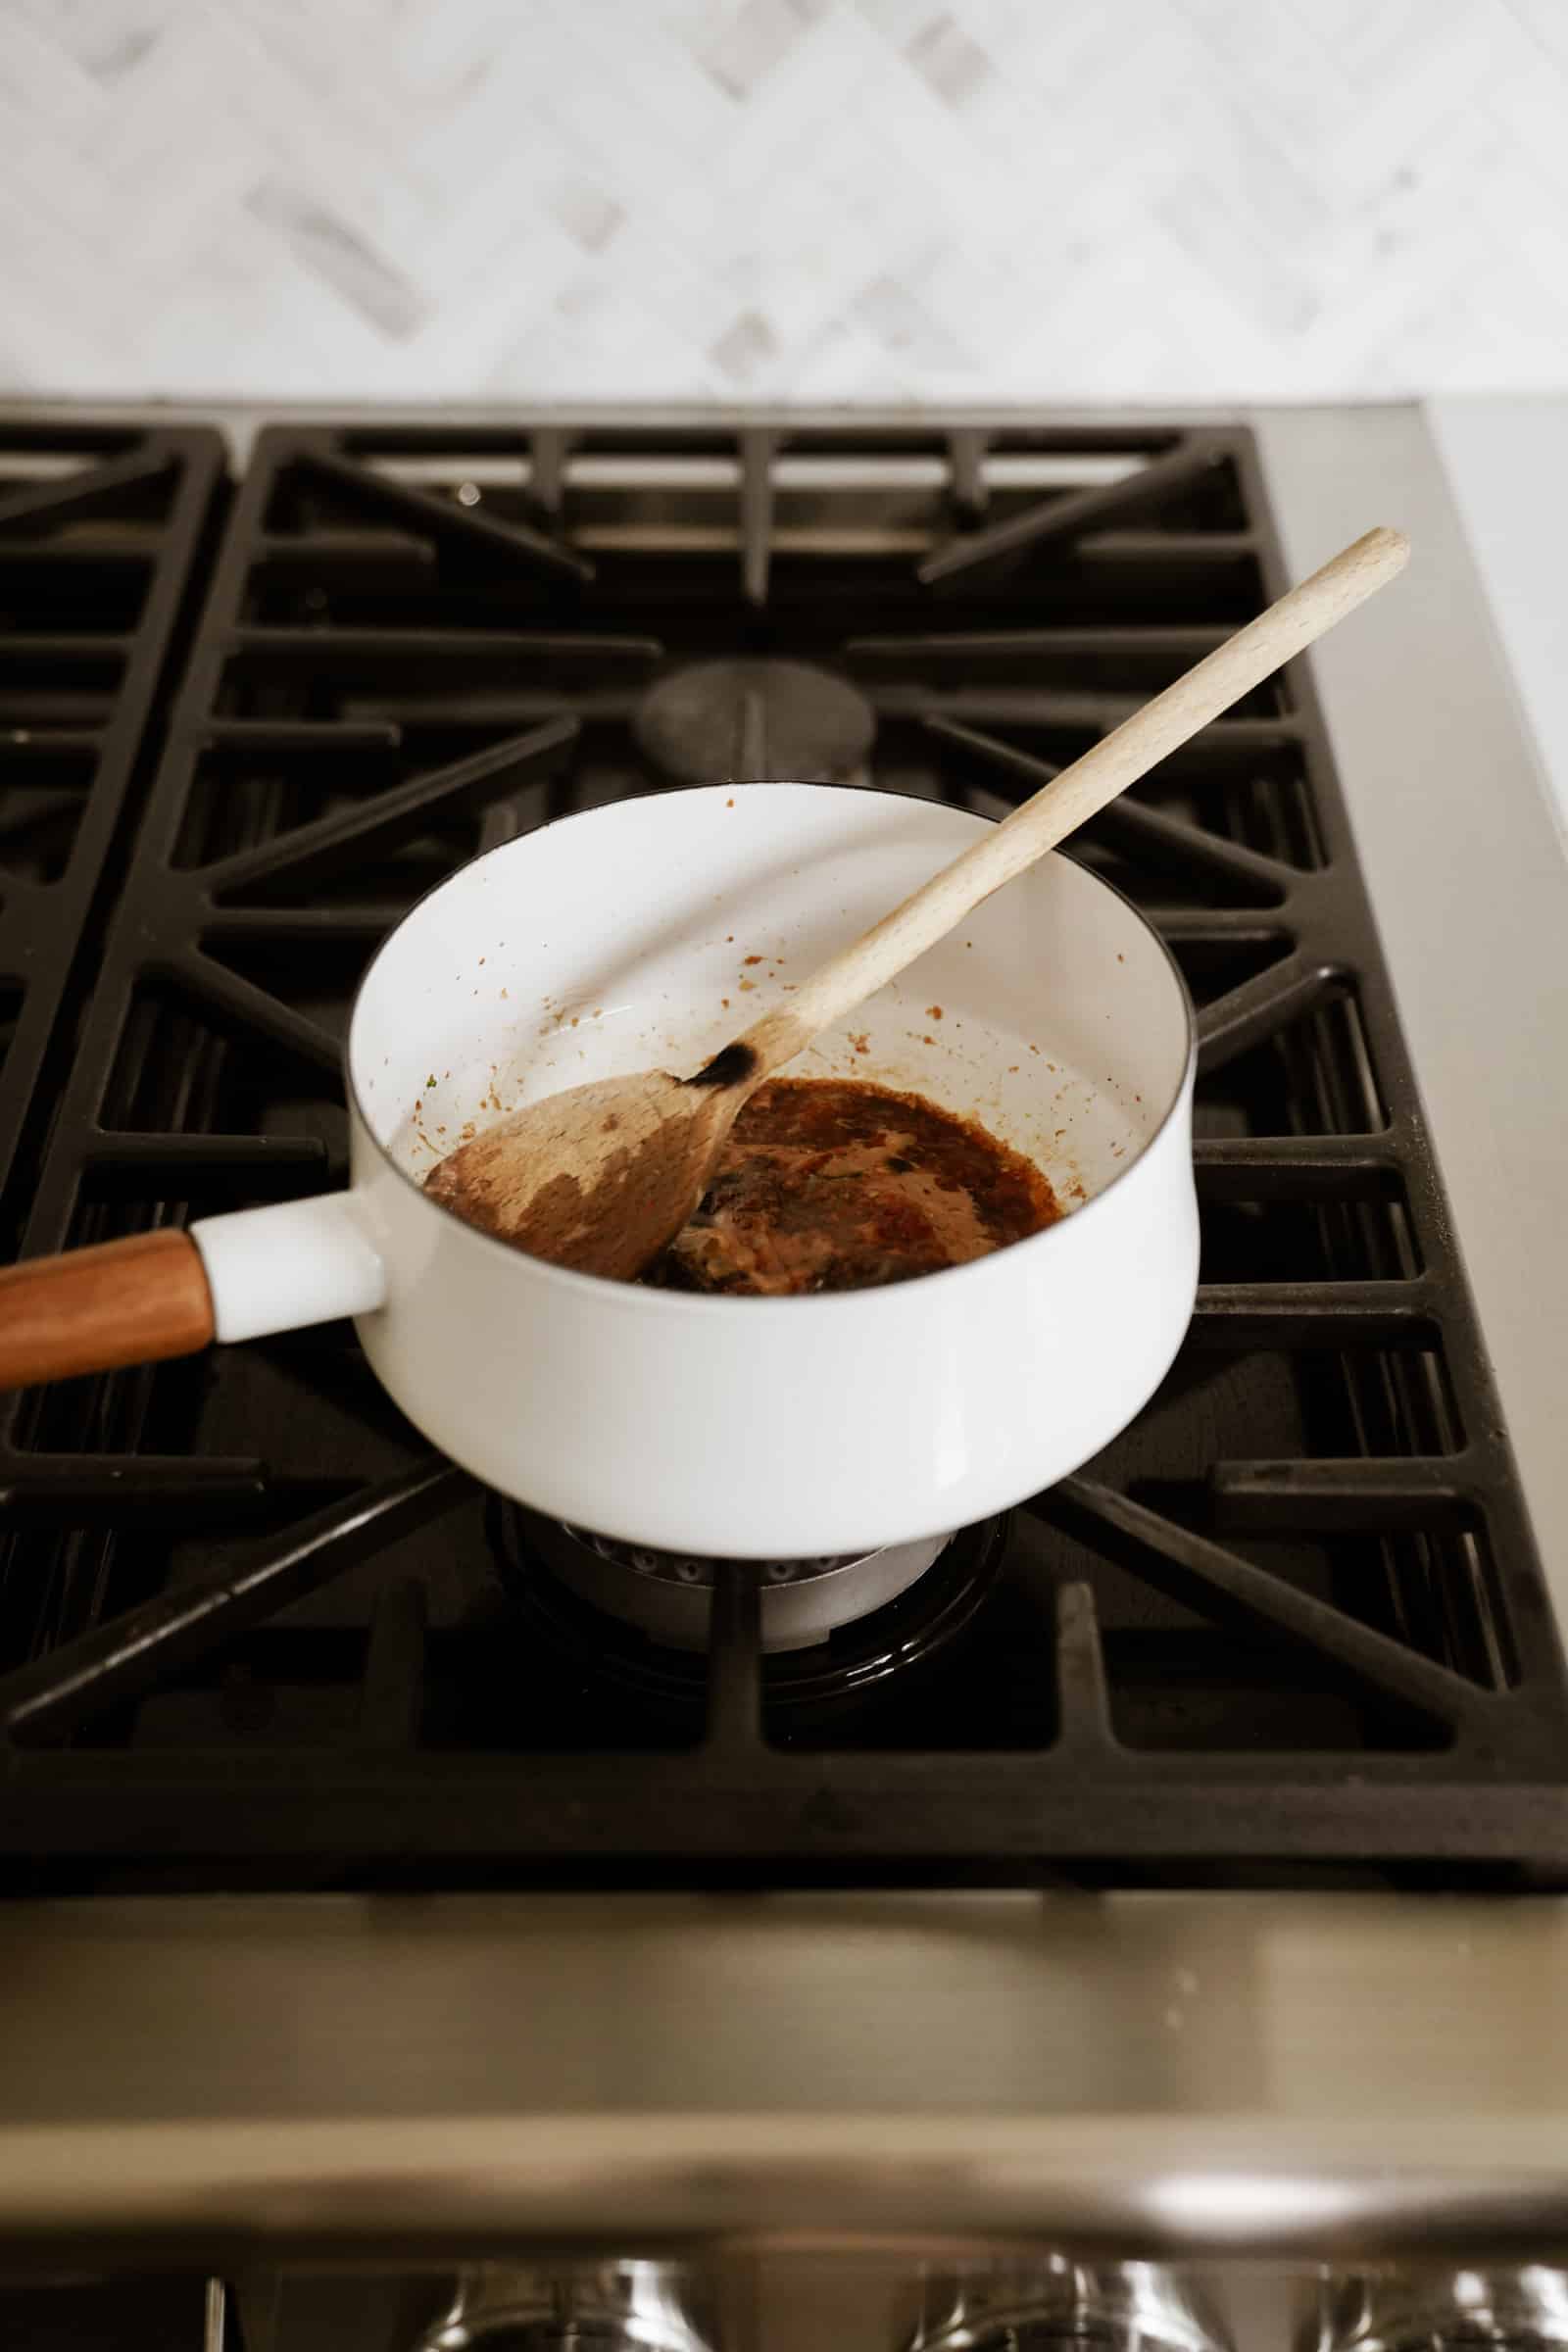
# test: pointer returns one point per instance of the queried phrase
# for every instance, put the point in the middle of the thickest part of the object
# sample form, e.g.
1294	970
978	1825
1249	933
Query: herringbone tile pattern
805	199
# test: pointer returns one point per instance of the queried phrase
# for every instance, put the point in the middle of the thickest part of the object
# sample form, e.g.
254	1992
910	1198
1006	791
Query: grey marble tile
326	245
753	41
943	55
585	211
745	349
1121	200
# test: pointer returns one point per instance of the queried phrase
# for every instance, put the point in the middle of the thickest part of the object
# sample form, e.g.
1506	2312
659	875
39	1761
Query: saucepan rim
820	1303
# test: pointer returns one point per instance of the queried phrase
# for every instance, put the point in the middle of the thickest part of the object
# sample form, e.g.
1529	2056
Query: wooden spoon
601	1177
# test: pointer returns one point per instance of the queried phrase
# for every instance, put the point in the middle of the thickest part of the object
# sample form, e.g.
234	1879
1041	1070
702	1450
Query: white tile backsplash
878	200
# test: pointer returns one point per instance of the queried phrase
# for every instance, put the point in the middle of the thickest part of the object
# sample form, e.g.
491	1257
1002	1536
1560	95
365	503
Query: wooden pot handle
91	1311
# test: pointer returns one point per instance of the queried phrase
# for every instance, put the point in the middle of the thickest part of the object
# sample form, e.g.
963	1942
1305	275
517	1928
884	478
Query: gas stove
249	1621
391	1867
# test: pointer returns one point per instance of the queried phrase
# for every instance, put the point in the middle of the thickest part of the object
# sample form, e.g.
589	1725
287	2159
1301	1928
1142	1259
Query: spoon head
598	1178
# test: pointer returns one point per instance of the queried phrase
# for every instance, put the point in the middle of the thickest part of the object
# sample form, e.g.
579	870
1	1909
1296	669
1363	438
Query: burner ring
874	1656
755	722
668	1595
687	1568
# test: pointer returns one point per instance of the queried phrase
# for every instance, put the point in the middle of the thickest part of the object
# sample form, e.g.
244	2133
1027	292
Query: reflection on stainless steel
1430	2310
1027	2307
1340	2077
573	2307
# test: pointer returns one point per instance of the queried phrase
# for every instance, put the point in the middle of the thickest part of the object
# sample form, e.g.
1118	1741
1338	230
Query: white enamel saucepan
647	934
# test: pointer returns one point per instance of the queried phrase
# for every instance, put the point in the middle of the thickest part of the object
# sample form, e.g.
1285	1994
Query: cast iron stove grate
99	531
1290	1626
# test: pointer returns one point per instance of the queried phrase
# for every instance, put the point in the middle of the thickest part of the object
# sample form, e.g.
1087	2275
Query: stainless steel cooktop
900	2083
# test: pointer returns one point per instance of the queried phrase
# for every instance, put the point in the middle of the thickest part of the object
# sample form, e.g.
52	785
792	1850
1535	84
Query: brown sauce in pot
830	1183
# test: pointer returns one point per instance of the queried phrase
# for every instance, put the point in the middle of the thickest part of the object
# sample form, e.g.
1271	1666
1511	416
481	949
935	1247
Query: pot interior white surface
653	931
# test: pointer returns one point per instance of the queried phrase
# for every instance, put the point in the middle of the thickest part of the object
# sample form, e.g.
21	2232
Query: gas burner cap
670	1595
755	722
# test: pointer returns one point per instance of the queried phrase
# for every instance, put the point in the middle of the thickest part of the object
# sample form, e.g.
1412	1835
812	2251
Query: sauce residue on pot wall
830	1183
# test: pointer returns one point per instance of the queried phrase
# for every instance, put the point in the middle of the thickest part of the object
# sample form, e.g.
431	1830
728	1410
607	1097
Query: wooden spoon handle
93	1310
1060	807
